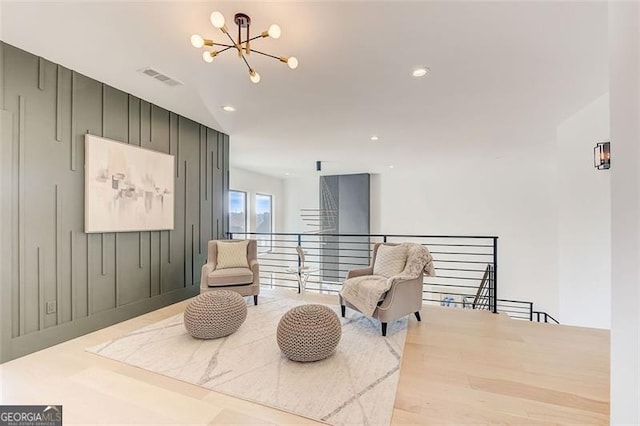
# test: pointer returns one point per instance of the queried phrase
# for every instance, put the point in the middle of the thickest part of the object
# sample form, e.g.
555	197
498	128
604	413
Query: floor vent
160	77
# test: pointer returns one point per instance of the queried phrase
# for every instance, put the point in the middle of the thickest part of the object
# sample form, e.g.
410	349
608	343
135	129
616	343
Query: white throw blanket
364	292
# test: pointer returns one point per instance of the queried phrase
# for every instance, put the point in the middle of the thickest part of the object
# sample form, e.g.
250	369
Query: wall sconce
602	155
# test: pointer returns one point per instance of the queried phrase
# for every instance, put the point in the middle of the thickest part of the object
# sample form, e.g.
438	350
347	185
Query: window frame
246	211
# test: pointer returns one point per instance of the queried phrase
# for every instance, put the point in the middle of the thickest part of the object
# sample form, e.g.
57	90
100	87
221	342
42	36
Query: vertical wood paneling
225	187
206	165
21	210
128	118
9	302
103	254
101	272
103	110
150	264
171	125
140	118
58	104
58	254
41	67
200	128
116	287
72	253
140	250
193	254
185	223
140	265
74	137
160	261
213	215
40	268
150	125
89	298
155	264
218	150
178	149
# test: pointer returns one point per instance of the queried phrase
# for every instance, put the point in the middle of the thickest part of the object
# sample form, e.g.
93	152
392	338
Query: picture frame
127	188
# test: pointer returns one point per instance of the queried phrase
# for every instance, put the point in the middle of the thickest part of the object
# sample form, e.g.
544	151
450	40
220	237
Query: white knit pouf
215	314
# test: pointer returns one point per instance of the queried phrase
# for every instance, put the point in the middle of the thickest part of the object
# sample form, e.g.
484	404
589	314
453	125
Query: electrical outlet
52	307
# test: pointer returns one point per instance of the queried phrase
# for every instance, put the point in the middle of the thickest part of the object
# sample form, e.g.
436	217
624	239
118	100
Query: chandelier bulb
274	31
292	62
208	56
217	19
254	76
197	41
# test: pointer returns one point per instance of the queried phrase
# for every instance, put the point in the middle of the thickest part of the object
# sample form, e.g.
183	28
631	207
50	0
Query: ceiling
503	74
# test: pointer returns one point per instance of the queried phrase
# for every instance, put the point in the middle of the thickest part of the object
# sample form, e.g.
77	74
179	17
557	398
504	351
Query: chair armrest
404	289
404	277
360	272
255	269
207	268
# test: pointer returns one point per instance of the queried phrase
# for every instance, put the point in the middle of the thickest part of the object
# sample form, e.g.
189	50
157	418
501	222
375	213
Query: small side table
302	273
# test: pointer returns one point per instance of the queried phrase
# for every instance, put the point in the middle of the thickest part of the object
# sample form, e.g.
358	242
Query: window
264	221
237	212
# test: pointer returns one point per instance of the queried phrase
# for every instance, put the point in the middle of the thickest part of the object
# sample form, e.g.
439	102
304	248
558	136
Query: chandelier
243	47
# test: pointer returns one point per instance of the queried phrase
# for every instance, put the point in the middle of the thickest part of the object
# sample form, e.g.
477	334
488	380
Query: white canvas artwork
127	188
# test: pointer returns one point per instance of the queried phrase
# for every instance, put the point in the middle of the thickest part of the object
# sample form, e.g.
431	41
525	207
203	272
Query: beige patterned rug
356	385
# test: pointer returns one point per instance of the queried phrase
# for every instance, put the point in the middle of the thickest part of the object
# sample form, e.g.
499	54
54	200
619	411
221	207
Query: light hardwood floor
459	367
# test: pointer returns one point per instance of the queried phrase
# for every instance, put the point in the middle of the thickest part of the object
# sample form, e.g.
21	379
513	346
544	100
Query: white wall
584	217
512	199
300	193
515	200
624	86
253	183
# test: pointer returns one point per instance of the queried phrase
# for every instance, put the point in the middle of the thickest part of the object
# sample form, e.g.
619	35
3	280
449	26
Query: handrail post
530	311
495	275
299	245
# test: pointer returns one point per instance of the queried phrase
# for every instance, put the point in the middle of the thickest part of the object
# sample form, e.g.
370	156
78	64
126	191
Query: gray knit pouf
215	314
309	333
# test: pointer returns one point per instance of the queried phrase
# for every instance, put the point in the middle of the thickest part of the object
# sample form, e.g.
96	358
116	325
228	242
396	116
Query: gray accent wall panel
98	279
349	195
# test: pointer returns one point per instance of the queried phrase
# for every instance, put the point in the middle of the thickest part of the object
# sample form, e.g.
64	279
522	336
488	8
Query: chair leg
343	309
417	314
255	299
384	328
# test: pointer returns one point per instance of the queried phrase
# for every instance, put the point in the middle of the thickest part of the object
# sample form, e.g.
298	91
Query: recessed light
391	166
228	108
287	173
420	72
374	138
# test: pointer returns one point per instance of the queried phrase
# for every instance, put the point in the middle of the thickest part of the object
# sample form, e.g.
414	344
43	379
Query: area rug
357	384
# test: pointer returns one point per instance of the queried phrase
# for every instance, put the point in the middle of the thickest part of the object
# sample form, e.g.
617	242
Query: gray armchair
403	298
243	280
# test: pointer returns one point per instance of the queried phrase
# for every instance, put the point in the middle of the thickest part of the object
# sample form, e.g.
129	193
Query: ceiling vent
160	77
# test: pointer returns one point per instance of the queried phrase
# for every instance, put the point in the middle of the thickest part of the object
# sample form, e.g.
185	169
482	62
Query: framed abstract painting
127	188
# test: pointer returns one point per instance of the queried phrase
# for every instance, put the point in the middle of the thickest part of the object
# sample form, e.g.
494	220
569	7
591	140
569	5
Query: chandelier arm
245	61
224	45
225	49
265	54
235	45
253	38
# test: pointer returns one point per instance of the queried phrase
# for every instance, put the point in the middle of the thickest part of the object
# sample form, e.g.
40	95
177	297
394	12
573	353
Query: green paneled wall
95	279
